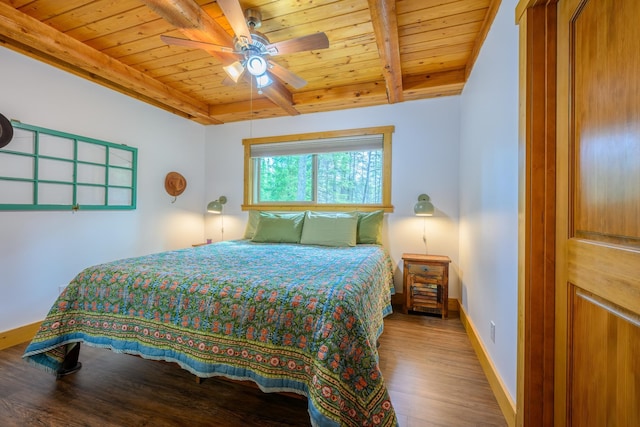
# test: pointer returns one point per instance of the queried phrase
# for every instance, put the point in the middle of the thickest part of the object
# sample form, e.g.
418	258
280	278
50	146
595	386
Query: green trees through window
349	177
333	170
285	178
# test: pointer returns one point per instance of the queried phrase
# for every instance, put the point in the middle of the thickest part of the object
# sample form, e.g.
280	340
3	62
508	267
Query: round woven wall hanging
175	184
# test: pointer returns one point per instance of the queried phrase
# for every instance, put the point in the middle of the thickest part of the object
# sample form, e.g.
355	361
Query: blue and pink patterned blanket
295	318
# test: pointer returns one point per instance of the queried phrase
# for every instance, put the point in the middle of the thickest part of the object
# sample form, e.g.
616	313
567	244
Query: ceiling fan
252	49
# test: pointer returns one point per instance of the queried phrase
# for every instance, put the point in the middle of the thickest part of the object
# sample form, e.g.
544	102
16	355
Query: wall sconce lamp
424	207
216	206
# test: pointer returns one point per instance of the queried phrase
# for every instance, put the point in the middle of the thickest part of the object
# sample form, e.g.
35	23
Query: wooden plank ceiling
380	51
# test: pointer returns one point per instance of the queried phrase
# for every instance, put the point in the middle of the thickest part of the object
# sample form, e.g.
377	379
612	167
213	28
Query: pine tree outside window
338	171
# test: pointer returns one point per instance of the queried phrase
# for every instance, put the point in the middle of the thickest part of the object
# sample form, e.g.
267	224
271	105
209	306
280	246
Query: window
341	170
42	169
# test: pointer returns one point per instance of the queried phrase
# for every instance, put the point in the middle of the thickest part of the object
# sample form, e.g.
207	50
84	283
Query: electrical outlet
493	331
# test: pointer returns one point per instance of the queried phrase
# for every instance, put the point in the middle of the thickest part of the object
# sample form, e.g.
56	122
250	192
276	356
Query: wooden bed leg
70	363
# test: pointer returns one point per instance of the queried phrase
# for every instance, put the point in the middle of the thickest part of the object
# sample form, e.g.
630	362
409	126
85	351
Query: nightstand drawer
435	273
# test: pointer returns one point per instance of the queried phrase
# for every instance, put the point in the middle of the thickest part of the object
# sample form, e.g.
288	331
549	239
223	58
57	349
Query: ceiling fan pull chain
251	108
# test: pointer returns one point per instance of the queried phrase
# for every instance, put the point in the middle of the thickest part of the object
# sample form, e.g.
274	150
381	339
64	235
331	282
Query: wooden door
597	369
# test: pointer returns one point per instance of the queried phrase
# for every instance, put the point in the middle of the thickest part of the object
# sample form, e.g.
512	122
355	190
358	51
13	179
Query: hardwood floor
431	371
433	375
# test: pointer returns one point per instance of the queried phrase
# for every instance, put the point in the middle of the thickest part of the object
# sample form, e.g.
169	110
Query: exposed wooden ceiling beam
385	26
341	97
434	84
279	94
335	98
40	41
188	17
244	108
418	86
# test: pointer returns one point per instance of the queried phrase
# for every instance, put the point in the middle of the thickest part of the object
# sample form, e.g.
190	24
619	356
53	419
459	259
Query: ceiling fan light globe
234	71
256	65
263	81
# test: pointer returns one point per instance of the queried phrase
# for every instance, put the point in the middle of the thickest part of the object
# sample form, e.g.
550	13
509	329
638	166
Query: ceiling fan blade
233	11
176	41
287	76
299	44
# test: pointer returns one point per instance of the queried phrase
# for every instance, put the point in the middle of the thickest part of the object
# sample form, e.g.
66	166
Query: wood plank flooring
431	371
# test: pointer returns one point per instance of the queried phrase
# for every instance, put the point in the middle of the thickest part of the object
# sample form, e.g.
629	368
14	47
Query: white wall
425	160
489	194
40	251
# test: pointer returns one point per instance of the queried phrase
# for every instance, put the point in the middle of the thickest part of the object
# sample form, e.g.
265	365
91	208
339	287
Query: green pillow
370	227
279	228
252	223
330	229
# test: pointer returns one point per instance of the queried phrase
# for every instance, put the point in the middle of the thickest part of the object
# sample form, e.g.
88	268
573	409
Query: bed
295	318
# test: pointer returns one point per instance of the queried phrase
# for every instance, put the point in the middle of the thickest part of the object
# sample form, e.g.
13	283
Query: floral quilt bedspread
295	318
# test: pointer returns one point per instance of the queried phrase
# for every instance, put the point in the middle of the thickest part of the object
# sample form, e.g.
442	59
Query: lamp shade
424	207
234	71
216	205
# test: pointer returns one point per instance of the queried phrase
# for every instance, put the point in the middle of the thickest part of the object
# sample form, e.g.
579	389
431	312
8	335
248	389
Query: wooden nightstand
426	284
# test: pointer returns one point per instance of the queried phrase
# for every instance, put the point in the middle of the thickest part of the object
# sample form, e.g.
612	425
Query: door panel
604	354
606	121
597	365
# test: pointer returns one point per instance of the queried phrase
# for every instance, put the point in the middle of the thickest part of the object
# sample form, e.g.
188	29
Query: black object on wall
6	131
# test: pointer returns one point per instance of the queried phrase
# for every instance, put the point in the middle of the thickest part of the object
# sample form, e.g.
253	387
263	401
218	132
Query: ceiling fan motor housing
258	45
253	17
